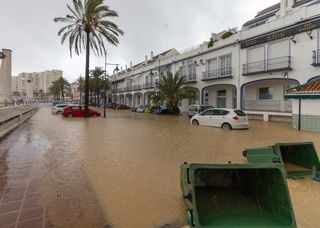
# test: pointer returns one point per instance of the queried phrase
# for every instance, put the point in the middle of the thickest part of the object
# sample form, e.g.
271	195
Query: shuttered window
255	54
278	49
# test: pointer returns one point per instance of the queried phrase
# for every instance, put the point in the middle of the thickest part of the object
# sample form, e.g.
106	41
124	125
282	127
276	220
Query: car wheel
195	122
226	126
69	115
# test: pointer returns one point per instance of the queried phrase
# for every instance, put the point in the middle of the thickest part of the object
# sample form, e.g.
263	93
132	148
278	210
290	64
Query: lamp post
105	82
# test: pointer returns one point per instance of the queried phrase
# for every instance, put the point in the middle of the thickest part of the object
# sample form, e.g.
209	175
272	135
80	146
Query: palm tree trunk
98	94
86	83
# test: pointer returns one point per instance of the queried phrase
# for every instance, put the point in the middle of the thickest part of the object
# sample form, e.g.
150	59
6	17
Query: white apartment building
250	69
32	85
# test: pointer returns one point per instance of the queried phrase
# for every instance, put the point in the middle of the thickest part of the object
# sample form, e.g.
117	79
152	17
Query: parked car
165	110
150	109
111	105
141	108
78	111
196	109
58	108
220	117
122	106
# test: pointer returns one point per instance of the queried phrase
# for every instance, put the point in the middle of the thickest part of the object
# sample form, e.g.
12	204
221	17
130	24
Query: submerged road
123	171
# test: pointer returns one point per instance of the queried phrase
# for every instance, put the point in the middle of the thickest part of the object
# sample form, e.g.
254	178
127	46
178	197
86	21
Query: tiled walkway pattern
20	196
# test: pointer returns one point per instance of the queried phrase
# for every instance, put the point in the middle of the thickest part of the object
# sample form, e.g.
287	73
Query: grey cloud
28	29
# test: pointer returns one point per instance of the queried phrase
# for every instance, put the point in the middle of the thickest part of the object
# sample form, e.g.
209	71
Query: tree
58	87
172	90
96	76
88	28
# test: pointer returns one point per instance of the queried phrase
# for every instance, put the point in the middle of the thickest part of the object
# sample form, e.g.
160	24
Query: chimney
146	60
151	55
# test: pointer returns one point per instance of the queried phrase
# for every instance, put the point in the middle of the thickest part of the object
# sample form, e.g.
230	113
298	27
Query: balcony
268	105
149	85
316	58
217	74
190	78
267	66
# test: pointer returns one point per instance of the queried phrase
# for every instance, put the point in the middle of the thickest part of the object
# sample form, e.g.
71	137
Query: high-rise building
36	84
5	76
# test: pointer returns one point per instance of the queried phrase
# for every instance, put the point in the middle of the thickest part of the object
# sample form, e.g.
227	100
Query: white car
58	108
221	117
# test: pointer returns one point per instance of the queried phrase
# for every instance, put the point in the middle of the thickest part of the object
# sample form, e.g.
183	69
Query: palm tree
96	76
80	88
88	28
63	85
54	90
172	90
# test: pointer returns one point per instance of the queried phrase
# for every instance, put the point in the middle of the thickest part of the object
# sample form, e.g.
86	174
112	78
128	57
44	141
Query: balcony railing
217	74
149	85
268	105
189	78
316	58
266	66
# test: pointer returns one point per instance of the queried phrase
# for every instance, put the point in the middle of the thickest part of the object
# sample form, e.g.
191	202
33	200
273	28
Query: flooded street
124	170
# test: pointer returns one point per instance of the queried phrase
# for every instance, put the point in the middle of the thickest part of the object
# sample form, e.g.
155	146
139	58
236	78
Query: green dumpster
236	195
299	159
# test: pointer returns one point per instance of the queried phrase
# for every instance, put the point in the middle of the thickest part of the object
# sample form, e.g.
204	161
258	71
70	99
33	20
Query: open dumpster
236	195
299	159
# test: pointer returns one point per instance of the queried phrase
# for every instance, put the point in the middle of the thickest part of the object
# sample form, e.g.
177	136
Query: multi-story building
5	76
249	69
36	84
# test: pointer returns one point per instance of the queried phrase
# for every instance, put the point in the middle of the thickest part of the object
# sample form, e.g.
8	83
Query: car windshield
239	113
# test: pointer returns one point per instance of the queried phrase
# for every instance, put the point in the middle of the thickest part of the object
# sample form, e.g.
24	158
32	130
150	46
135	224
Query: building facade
5	76
249	69
35	85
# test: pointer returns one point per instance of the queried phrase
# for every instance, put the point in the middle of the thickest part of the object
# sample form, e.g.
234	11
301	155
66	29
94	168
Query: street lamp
105	82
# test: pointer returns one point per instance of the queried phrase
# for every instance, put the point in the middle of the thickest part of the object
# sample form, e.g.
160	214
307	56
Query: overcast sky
27	28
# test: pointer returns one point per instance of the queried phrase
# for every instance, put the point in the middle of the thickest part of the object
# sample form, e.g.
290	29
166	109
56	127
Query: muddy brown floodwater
124	171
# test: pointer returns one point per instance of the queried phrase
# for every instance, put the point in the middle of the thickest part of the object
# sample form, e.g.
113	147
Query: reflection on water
133	163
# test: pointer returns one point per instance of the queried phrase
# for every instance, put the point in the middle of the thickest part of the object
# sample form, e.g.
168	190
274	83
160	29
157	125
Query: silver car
58	109
222	117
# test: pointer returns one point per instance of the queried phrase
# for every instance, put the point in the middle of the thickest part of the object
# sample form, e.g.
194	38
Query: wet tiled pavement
42	182
20	204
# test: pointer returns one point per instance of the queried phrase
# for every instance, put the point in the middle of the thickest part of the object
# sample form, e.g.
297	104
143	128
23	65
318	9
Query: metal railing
316	57
149	85
190	77
268	105
218	73
269	65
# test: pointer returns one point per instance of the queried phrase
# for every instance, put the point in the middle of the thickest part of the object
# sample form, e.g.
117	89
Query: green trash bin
236	195
299	159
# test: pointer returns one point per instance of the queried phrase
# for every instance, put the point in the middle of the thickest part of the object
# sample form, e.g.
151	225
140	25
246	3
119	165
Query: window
208	113
265	93
183	71
239	112
219	112
212	64
225	64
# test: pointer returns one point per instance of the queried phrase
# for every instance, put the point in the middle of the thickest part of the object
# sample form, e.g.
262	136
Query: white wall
308	107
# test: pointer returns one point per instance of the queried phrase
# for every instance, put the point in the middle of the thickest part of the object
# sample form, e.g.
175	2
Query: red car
122	106
78	111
